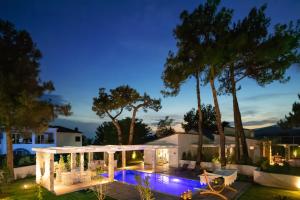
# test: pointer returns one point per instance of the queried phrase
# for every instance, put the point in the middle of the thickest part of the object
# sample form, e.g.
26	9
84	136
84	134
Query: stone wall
22	172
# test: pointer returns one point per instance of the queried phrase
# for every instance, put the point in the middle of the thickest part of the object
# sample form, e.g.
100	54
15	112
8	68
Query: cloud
249	113
267	96
271	120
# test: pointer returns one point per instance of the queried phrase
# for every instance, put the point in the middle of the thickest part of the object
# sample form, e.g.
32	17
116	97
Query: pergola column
154	160
73	161
123	159
49	171
38	174
287	152
90	158
111	166
81	162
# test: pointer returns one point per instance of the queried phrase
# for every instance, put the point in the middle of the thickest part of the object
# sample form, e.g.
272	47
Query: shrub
263	163
143	187
183	156
189	156
24	161
61	164
99	191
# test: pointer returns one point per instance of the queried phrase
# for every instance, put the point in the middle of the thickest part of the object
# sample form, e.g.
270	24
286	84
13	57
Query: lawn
257	192
16	191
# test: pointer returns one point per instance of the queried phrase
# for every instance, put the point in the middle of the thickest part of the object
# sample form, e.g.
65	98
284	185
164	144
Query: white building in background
55	136
187	142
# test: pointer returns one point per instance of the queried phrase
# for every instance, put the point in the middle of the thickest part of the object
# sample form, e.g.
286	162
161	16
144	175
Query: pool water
159	182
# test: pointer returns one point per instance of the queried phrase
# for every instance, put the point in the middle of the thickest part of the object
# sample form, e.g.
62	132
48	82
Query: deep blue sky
92	44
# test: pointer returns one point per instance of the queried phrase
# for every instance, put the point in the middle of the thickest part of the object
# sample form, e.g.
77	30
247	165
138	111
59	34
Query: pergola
45	159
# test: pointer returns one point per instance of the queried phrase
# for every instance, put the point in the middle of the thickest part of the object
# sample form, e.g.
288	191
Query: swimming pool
160	182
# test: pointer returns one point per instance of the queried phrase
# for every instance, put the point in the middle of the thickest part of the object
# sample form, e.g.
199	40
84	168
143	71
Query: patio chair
218	181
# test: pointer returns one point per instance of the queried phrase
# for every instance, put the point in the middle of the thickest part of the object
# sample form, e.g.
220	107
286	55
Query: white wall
22	172
68	139
28	146
277	180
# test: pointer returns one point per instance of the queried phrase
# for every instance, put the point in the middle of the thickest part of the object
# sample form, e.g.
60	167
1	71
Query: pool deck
123	191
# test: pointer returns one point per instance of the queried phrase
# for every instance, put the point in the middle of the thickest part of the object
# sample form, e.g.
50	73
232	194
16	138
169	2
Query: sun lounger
218	181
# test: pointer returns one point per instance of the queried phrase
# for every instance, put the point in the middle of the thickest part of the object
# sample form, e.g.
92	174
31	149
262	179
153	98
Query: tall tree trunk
132	125
9	152
239	124
200	131
237	135
119	130
219	122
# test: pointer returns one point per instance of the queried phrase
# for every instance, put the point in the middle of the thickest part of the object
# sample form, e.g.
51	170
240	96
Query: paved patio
121	191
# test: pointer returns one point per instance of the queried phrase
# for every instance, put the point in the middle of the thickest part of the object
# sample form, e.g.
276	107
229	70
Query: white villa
187	142
55	136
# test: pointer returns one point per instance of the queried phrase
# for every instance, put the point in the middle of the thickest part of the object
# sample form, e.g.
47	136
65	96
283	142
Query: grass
16	191
256	192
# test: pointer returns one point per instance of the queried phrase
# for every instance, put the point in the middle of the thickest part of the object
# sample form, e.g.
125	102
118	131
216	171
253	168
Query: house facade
187	144
55	136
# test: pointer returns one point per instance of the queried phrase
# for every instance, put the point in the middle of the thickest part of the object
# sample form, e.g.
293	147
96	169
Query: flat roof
102	148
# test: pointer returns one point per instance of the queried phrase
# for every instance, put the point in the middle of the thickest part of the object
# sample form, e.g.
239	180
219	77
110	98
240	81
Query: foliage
99	191
293	118
86	141
106	132
118	99
191	119
23	107
143	187
61	164
189	155
215	159
253	50
26	160
164	127
68	163
263	163
184	157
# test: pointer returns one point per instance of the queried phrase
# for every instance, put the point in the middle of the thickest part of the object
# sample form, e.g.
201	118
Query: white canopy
102	148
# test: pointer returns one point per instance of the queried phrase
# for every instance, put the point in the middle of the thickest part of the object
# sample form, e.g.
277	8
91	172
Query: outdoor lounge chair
218	181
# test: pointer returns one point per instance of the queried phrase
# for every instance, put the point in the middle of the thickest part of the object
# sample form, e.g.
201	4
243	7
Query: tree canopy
22	107
113	103
164	127
107	134
191	119
292	120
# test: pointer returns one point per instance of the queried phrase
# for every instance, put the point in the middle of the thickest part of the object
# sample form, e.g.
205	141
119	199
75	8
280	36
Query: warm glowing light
133	156
295	153
298	184
25	186
251	147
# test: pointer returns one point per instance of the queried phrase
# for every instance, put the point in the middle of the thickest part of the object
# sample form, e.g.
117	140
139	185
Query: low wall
22	172
242	169
277	180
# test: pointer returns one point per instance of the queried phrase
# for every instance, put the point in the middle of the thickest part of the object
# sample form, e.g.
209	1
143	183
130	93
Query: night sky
92	44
